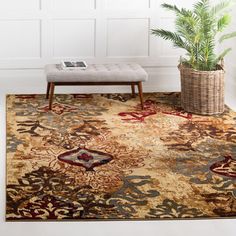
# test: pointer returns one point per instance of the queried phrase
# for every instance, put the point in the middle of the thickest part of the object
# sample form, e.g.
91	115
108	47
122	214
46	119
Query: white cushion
97	73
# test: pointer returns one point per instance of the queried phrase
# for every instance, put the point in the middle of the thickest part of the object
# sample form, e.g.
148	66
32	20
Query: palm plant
197	31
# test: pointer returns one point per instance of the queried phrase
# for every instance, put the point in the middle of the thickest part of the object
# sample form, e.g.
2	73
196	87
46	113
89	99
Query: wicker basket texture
202	92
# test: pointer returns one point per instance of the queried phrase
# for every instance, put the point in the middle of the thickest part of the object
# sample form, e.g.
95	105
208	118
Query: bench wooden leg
52	86
140	91
48	90
133	90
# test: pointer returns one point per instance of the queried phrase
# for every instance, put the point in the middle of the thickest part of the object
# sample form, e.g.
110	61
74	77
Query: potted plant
198	32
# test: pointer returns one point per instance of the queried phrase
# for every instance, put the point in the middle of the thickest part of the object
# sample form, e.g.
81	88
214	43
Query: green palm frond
222	6
222	55
197	31
176	10
170	7
227	36
223	22
202	7
168	35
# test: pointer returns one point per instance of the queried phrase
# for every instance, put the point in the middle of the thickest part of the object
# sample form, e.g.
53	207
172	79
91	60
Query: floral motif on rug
102	157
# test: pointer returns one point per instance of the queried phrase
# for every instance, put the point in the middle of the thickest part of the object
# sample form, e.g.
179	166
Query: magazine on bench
73	65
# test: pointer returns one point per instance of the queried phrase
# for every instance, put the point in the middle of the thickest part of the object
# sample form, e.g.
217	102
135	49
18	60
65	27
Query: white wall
41	31
37	32
34	32
231	65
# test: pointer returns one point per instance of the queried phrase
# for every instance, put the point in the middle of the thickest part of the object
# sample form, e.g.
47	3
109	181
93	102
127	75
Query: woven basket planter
202	92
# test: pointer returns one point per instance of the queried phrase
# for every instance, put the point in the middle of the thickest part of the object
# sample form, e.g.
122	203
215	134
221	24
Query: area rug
100	157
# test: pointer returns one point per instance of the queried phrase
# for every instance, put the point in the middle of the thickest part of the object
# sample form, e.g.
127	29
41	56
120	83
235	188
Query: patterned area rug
102	157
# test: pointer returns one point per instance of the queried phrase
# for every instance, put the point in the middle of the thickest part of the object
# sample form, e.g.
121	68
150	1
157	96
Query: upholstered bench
96	74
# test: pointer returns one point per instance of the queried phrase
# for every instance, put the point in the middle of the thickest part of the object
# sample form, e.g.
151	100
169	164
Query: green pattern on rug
99	156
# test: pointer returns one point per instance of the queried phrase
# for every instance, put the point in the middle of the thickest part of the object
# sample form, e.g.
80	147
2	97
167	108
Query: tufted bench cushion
97	73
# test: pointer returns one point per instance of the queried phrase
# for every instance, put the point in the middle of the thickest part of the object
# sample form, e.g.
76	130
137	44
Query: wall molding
47	15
